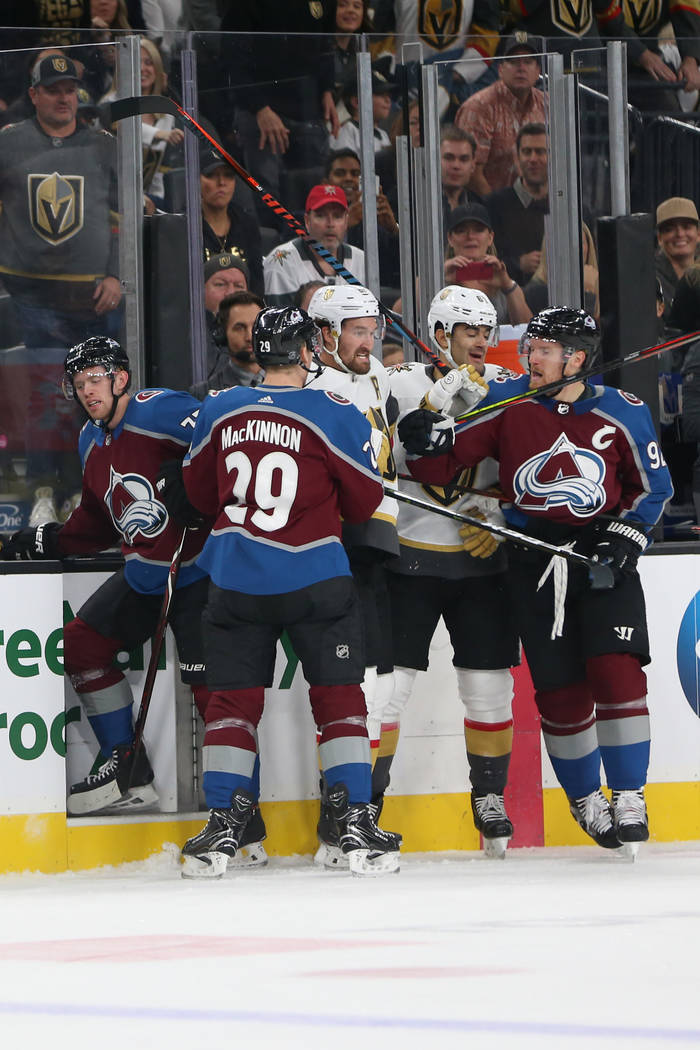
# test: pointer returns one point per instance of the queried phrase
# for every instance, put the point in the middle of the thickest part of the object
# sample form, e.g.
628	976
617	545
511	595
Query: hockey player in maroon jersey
276	466
122	447
580	466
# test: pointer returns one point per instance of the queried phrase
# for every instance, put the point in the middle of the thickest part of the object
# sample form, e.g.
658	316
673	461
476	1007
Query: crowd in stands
287	107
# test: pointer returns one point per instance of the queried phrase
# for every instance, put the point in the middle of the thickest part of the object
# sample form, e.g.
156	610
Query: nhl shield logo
342	651
56	206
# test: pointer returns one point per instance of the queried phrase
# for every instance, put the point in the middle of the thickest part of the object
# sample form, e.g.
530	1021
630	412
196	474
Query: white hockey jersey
292	264
430	543
371	393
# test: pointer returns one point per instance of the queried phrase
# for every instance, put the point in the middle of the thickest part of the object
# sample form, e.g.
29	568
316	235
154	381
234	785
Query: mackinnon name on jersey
262	430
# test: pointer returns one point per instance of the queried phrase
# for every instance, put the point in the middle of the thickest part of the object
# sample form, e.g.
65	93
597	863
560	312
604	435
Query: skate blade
362	862
93	801
205	866
628	851
495	849
137	798
251	856
330	857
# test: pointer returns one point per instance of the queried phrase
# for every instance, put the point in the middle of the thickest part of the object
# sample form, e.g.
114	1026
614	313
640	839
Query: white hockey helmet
456	305
339	302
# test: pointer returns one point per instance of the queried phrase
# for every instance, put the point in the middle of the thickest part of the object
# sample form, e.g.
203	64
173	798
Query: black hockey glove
619	545
426	433
32	544
172	493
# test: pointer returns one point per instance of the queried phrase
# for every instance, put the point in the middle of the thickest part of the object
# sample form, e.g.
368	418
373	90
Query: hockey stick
156	646
601	576
137	105
580	377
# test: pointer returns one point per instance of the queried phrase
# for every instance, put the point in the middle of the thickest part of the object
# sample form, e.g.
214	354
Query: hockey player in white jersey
351	323
457	573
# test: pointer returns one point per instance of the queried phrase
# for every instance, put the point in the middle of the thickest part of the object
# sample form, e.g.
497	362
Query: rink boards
46	742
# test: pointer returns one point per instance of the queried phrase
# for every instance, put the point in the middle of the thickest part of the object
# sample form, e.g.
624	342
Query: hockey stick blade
137	105
601	576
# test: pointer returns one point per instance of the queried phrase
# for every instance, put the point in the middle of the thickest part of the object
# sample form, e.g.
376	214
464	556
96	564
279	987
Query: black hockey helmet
279	333
574	329
98	350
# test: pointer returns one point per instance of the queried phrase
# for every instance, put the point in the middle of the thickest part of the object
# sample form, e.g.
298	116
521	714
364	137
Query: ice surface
547	948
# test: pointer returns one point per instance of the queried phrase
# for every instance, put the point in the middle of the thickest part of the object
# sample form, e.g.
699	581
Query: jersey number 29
274	489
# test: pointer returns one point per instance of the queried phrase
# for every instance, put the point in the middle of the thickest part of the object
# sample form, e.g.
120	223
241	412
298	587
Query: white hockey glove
464	381
480	543
425	433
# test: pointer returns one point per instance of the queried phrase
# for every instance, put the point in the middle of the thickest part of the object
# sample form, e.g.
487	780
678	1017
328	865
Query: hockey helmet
574	329
280	333
98	350
330	306
456	305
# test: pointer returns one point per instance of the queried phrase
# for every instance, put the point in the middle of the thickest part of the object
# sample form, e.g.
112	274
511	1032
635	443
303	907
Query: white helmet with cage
456	305
340	302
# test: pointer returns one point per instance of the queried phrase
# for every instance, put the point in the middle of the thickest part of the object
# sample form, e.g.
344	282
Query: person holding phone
472	263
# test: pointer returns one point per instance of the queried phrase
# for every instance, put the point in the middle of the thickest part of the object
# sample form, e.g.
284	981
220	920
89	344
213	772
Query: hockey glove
619	545
32	544
465	381
425	433
173	495
480	543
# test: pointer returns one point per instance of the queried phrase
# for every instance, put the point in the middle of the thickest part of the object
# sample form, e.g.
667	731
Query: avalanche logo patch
563	476
134	507
338	398
688	653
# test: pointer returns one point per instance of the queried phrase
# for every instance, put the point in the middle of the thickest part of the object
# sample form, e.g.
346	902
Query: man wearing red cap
294	263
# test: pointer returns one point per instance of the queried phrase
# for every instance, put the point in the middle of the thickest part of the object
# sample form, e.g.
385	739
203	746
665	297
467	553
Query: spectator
158	131
518	211
223	275
343	169
294	263
235	364
495	115
282	103
58	250
457	159
458	36
536	291
303	296
383	90
108	15
472	263
677	238
57	24
351	18
226	227
685	316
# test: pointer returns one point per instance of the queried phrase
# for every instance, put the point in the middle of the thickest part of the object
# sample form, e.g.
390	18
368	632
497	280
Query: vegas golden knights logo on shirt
642	15
573	17
56	206
439	22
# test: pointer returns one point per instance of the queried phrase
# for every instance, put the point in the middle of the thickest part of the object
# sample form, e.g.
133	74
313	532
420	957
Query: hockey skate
108	790
369	849
251	852
207	855
491	820
595	815
329	854
630	818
